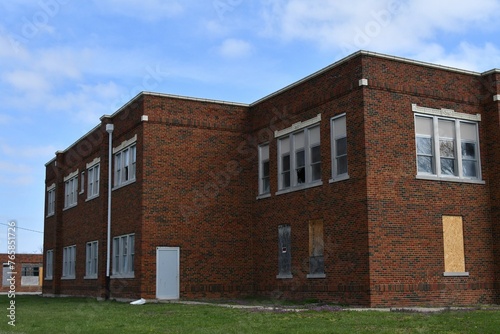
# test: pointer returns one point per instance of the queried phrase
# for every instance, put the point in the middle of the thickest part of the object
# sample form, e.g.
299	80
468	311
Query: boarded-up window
284	252
453	239
316	247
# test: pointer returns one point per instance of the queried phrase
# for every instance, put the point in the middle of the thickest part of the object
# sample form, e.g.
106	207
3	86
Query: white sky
65	63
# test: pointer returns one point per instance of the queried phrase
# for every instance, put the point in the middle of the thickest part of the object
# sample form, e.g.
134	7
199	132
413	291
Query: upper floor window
339	148
51	200
71	190
299	158
264	181
93	181
447	147
125	166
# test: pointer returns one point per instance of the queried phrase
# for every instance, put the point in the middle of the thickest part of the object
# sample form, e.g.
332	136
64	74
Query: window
299	159
51	201
453	242
69	259
71	192
49	260
123	256
125	161
264	181
30	274
339	148
316	247
447	147
93	181
284	252
91	260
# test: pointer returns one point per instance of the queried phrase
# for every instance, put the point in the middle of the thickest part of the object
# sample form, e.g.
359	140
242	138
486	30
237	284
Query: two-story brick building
375	181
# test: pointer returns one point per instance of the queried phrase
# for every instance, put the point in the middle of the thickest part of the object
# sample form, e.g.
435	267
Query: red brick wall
405	224
17	261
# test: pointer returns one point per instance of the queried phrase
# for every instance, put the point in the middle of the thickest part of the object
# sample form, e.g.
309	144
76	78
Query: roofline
284	89
373	54
134	99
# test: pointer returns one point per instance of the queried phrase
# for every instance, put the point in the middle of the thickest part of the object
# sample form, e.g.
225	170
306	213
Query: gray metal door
167	272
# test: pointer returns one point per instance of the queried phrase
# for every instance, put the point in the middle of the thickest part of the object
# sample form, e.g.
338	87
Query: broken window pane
300	166
469	150
447	148
285	166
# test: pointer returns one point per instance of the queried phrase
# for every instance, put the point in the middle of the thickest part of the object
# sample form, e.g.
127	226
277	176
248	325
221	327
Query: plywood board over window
453	242
316	249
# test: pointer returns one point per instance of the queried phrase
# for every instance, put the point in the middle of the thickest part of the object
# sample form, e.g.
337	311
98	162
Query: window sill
70	206
262	196
48	278
448	179
456	274
90	277
284	276
300	187
124	184
123	276
340	178
49	215
316	276
91	198
67	278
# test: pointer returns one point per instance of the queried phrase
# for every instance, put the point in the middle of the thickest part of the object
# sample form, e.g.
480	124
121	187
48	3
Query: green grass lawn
35	314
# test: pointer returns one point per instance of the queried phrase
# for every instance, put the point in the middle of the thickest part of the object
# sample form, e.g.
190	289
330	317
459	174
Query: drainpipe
109	129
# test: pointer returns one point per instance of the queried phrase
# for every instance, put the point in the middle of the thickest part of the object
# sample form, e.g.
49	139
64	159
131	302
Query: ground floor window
123	255
284	252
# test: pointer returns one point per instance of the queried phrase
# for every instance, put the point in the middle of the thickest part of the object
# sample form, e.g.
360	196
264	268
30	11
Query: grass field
35	314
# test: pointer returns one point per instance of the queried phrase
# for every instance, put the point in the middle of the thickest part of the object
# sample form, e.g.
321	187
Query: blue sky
65	63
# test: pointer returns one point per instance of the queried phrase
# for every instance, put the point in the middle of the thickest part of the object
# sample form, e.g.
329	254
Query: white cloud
235	48
143	9
27	81
389	26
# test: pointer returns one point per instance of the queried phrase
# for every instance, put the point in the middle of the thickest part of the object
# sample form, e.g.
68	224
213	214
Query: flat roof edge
373	54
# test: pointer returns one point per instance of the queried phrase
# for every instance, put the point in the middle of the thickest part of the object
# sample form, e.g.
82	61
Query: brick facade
196	188
23	271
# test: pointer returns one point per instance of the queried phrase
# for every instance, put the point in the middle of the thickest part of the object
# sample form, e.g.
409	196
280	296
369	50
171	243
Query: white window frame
49	262
93	178
436	115
125	166
290	133
334	156
51	200
264	158
71	192
91	260
69	262
123	256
